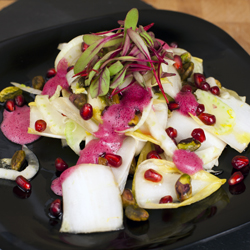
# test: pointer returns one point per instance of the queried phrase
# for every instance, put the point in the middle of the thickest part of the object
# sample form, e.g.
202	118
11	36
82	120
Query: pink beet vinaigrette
108	139
15	125
59	79
115	119
187	102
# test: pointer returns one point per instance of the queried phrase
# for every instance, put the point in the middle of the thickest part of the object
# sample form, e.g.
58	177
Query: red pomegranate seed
51	73
173	106
86	111
198	134
215	90
198	79
207	119
200	109
56	208
236	178
113	160
23	183
178	62
60	164
166	199
19	100
40	125
84	46
158	149
186	88
10	105
237	189
152	175
205	86
20	193
172	132
153	155
240	161
174	45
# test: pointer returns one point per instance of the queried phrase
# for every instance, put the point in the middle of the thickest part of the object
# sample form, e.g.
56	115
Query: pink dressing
108	140
187	162
116	118
187	102
59	79
15	125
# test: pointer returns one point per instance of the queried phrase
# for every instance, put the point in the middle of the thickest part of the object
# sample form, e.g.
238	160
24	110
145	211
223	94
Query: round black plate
24	221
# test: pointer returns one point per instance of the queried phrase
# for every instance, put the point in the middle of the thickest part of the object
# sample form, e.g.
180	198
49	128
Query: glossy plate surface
24	222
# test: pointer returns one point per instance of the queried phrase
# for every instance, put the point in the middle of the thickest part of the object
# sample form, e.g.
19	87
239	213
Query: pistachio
135	213
127	198
134	121
187	70
17	160
189	144
183	187
102	161
132	167
185	57
9	93
38	82
78	99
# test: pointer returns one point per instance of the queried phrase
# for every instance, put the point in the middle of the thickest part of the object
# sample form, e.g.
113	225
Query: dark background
26	16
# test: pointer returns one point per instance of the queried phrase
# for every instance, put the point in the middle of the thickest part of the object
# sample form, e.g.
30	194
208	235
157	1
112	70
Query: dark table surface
25	16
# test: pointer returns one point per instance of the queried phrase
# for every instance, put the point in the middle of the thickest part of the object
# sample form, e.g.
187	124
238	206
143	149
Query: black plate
25	223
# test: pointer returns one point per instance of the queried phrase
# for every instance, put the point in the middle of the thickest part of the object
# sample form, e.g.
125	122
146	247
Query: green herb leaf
115	68
131	20
100	85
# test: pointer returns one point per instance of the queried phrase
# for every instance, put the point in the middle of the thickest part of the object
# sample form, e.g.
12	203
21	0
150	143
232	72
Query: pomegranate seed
198	134
153	155
178	62
200	109
84	46
207	119
51	73
186	88
40	125
237	189
158	149
172	132
10	105
215	90
20	193
173	106
198	79
240	161
23	183
205	86
166	199
113	160
19	100
86	111
236	178
56	208
174	45
152	175
60	164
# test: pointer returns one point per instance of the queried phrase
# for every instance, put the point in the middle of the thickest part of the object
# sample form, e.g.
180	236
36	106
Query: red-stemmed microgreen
120	57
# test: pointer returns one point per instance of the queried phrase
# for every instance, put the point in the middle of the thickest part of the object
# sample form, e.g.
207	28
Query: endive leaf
148	193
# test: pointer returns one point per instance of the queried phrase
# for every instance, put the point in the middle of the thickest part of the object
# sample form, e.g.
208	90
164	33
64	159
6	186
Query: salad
144	108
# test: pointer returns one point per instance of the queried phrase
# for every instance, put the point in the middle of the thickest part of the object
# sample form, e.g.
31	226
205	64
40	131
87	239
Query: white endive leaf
91	200
70	51
148	193
127	152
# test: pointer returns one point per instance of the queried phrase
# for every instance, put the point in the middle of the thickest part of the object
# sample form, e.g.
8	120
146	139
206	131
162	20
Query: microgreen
118	58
